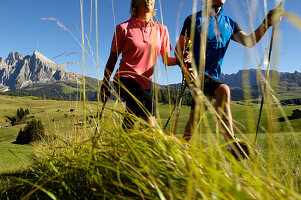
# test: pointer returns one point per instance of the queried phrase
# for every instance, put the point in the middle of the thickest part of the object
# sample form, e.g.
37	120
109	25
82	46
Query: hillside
245	84
251	78
288	89
39	76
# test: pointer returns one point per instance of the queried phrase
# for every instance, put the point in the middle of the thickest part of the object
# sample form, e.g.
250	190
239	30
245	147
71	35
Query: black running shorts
210	85
148	106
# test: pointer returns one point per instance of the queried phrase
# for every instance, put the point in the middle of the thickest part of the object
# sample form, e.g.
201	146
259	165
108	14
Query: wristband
267	19
264	22
269	25
177	62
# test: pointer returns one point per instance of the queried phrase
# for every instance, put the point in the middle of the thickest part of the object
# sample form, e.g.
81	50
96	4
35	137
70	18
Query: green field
14	157
279	145
58	120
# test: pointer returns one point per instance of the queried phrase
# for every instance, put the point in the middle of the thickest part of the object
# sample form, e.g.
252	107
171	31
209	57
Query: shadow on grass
12	188
281	119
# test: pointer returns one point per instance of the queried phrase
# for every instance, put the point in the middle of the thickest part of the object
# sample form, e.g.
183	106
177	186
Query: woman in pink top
140	41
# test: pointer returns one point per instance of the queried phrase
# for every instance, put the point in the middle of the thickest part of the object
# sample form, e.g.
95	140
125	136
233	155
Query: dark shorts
210	85
148	106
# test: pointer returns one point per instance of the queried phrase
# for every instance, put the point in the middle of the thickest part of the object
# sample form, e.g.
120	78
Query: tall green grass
102	161
150	164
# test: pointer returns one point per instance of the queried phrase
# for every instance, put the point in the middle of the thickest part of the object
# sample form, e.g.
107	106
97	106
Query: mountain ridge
251	77
35	74
18	72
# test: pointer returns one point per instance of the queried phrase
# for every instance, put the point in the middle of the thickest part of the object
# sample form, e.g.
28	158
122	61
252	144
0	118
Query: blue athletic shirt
217	41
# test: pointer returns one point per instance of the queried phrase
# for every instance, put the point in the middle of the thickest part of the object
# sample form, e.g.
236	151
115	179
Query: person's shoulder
124	24
188	19
122	27
158	25
229	19
197	15
161	27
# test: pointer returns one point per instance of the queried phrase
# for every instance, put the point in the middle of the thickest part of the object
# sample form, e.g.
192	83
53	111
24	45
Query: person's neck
147	17
214	11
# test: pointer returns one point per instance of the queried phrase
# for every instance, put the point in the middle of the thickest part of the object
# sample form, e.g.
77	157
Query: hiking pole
178	103
264	87
179	110
102	109
186	77
101	112
266	77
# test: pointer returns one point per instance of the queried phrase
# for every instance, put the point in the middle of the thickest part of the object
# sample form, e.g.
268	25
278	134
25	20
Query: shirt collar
139	22
221	11
215	10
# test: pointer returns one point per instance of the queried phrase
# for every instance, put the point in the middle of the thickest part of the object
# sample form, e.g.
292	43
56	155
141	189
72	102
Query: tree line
19	117
33	131
166	96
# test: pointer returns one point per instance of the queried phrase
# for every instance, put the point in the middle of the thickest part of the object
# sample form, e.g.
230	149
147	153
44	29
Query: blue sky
23	30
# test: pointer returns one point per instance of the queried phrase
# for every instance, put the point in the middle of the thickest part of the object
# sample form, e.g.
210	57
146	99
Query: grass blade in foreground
145	164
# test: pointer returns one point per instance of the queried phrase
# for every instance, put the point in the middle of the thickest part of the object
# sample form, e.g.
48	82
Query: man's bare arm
250	40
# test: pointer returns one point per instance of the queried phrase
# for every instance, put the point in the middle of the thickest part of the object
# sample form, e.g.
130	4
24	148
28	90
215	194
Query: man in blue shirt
219	30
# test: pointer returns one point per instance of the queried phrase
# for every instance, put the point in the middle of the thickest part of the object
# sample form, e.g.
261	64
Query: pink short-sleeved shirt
140	45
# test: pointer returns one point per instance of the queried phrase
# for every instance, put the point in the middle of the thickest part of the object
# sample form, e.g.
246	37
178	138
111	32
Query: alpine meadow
59	140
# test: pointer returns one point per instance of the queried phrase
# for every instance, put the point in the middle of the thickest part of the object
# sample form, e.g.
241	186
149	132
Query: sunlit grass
14	157
149	164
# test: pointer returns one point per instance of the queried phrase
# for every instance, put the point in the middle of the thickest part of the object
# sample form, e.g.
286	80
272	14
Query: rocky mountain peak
2	60
2	63
13	57
37	55
18	72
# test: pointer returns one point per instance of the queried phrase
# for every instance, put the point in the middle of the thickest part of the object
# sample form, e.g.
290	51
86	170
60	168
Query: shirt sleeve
186	27
236	29
165	44
118	40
